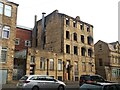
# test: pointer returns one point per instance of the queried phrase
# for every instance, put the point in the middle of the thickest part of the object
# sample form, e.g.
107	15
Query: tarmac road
13	87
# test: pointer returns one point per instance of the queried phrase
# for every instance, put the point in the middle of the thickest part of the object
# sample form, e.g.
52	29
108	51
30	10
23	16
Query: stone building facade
8	16
62	47
107	58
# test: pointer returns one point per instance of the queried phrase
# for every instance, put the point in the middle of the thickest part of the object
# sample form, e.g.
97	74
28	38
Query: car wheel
61	87
35	88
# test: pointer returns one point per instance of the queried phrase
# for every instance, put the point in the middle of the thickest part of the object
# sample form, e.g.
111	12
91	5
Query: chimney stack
43	21
35	19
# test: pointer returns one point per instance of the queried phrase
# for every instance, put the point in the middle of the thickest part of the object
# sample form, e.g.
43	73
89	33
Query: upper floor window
75	50
83	50
74	24
89	40
3	54
27	43
8	10
1	8
82	38
88	28
67	22
82	26
75	36
17	41
68	49
90	52
67	35
6	32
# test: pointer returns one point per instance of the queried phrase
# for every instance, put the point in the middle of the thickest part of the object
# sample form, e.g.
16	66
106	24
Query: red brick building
23	38
22	42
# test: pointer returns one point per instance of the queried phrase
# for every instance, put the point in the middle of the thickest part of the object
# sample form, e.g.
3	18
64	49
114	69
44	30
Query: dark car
91	79
100	86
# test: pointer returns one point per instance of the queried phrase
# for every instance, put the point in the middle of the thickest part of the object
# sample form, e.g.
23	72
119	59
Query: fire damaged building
62	47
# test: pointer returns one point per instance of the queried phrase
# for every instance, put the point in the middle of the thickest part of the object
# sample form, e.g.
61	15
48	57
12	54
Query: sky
102	14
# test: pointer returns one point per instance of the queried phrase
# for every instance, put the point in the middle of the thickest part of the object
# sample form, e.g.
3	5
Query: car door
110	87
51	82
41	81
38	81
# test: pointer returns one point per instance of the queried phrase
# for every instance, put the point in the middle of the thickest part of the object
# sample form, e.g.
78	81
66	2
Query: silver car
38	82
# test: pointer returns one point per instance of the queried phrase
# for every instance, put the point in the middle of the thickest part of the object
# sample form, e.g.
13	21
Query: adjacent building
107	58
8	16
62	47
22	43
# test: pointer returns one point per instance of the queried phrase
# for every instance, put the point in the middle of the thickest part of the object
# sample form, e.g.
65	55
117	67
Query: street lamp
47	67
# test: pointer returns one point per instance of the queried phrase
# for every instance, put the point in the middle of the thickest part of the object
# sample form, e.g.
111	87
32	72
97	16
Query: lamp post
47	67
63	70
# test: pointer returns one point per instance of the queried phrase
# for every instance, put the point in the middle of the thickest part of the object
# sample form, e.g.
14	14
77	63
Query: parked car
91	79
100	86
36	82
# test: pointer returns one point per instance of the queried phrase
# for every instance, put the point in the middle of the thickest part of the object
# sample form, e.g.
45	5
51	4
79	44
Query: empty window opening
81	26
83	50
82	38
68	49
90	52
75	36
67	22
75	50
88	28
90	40
74	24
67	35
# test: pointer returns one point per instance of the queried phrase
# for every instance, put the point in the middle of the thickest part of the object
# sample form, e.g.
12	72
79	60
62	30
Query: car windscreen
85	78
90	87
97	78
24	78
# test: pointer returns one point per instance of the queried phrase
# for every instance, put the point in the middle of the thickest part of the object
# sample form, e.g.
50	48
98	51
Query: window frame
51	63
17	41
27	43
1	7
6	29
59	64
76	50
67	49
8	10
32	60
67	35
4	49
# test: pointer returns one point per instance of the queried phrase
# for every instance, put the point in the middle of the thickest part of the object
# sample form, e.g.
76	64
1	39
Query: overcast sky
102	14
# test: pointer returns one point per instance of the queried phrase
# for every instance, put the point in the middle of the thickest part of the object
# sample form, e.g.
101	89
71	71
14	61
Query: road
13	87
